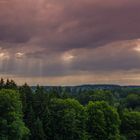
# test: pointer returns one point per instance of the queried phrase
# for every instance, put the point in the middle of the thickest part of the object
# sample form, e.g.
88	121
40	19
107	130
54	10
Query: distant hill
85	88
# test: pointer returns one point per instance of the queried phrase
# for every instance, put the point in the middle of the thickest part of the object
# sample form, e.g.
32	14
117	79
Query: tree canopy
11	123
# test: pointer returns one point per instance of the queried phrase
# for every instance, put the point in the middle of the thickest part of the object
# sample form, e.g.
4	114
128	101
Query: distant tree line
28	113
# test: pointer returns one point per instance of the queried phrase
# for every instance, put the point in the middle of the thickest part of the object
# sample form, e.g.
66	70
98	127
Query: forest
65	113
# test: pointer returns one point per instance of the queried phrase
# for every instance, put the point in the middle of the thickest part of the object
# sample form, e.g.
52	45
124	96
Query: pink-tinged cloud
57	38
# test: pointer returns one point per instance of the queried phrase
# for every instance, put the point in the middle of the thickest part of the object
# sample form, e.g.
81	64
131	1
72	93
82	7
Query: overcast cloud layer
70	41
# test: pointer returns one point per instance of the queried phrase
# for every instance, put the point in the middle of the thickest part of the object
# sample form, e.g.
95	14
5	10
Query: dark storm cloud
69	24
13	35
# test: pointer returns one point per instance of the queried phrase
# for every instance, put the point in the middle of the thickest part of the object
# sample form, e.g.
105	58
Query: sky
70	42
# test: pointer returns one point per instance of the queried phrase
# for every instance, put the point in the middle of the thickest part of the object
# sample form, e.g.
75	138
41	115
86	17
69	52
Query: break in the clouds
70	42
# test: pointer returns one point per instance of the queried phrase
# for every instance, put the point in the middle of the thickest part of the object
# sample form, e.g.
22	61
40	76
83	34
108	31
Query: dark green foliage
97	95
29	117
69	113
66	120
30	120
130	125
26	97
11	124
103	121
2	84
39	131
132	101
10	84
40	101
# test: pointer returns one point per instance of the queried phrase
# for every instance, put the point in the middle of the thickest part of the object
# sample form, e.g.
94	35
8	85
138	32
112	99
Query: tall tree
130	126
2	83
39	131
26	97
11	123
40	101
103	121
10	84
66	120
